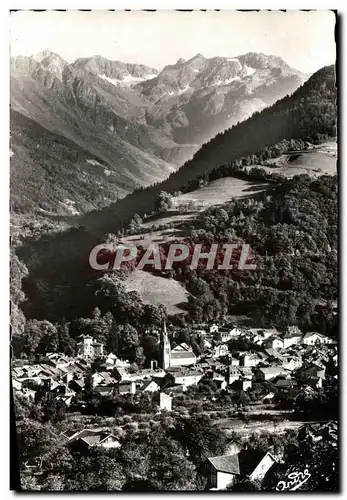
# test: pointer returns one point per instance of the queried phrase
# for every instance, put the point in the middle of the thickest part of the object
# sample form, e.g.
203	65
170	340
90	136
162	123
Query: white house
234	361
165	401
246	372
89	348
275	343
184	377
222	471
150	386
126	388
250	359
271	372
225	334
291	339
234	374
182	355
291	362
220	350
112	361
214	328
312	338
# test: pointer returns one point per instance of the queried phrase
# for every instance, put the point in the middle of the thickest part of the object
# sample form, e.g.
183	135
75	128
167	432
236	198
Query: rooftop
242	463
182	354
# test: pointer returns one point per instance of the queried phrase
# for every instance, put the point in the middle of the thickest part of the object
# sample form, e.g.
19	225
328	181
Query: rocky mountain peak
44	54
257	60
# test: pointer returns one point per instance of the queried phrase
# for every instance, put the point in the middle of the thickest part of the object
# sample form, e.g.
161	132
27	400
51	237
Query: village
276	368
289	360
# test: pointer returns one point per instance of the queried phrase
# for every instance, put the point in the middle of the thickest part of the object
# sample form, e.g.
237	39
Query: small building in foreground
222	471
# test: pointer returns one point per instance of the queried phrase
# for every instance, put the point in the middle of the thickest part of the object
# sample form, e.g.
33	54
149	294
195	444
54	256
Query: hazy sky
305	40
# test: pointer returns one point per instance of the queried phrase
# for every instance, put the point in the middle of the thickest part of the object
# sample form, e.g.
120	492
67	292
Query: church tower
165	347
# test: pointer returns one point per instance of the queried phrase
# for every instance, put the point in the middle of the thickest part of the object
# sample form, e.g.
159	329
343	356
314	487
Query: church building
181	355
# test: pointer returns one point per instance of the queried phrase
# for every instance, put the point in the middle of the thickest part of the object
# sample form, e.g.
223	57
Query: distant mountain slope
139	123
224	90
57	175
72	180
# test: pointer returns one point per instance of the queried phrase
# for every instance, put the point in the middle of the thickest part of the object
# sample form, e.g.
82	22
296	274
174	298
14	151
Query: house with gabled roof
86	439
220	350
275	342
183	376
182	355
224	334
246	372
312	370
58	360
291	337
64	398
105	389
222	471
125	387
270	372
233	374
250	359
291	362
313	338
150	386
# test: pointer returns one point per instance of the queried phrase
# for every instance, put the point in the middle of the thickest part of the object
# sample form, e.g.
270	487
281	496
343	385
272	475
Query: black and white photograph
174	251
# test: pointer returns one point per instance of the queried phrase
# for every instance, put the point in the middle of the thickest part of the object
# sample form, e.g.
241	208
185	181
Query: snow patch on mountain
127	80
227	81
248	70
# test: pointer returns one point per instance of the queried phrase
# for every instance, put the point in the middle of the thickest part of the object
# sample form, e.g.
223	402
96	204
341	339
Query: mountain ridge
141	130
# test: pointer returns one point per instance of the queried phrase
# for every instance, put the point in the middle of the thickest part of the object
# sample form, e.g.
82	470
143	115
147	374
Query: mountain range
86	133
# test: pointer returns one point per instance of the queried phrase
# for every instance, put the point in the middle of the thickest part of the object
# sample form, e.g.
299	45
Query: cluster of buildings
288	360
283	364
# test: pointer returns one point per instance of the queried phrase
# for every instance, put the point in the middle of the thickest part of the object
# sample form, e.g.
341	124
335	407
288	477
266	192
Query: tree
199	438
163	202
39	337
128	342
53	410
244	484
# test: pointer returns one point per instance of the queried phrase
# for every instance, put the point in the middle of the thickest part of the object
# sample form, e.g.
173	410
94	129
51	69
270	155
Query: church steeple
165	347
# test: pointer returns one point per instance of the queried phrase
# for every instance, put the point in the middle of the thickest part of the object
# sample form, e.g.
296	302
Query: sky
305	40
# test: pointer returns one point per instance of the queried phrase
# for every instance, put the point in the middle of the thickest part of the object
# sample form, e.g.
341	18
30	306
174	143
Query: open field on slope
319	160
189	206
156	290
220	191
